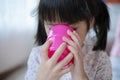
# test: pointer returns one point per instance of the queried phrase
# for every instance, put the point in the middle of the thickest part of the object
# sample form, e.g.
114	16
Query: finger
70	42
74	51
44	50
73	36
66	70
58	52
65	61
78	37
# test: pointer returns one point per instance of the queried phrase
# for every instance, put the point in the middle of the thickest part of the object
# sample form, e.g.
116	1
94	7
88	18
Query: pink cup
56	34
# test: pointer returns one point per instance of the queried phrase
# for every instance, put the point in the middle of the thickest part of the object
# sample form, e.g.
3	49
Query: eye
74	28
50	28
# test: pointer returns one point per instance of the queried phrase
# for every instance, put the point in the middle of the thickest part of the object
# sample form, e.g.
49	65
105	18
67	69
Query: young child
90	21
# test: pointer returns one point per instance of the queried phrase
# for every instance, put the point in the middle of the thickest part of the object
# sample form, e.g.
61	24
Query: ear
92	22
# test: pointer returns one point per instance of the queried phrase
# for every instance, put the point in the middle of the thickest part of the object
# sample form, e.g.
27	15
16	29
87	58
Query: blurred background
18	24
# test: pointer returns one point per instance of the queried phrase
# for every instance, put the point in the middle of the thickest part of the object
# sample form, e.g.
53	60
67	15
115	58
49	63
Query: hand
74	46
50	69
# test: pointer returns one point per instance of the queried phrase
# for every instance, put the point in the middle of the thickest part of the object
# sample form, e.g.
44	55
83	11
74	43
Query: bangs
69	11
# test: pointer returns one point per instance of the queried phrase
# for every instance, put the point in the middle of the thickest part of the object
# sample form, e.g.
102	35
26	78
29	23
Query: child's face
80	28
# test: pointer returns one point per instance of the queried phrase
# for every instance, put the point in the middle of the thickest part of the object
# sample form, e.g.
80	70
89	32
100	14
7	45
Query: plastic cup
56	34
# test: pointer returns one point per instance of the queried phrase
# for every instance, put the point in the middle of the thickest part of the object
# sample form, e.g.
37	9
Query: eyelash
49	28
74	28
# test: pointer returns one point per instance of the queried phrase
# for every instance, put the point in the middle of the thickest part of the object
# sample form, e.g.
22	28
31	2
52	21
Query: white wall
17	31
114	10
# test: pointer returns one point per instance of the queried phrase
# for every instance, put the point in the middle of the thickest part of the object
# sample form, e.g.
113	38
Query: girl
90	21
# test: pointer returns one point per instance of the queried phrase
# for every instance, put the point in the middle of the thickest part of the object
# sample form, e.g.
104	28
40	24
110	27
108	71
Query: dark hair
72	11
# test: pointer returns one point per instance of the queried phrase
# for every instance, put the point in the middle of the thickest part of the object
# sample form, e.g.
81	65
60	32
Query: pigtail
41	35
101	25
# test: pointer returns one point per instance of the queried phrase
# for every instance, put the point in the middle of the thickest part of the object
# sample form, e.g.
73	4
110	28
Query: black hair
72	11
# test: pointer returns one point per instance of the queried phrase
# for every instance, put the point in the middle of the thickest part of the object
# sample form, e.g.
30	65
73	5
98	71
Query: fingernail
68	31
64	43
74	31
63	38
